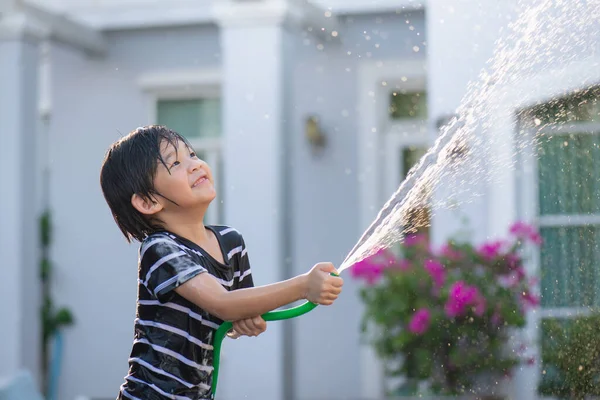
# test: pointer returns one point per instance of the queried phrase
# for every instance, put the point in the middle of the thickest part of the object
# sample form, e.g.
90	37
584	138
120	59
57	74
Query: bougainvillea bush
446	316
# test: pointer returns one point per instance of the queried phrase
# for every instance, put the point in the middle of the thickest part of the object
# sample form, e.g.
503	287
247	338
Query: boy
191	277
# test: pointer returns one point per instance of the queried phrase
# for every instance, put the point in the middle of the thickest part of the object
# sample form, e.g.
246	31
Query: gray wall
95	101
326	190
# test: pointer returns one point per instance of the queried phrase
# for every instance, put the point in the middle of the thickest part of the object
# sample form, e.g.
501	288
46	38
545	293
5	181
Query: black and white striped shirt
172	351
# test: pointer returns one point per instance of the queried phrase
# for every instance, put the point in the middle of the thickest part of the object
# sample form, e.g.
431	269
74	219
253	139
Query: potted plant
446	317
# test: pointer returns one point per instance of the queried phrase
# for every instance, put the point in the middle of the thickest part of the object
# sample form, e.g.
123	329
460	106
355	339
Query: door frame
374	81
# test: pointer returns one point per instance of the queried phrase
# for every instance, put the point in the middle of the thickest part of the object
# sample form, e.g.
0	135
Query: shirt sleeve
165	266
245	272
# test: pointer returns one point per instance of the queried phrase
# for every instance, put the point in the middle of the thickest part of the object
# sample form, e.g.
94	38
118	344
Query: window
199	120
406	141
567	175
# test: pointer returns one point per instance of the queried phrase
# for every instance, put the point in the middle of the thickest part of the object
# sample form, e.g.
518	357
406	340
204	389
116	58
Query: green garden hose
270	316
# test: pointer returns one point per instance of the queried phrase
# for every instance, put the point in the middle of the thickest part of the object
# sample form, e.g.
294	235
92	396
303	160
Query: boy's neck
187	226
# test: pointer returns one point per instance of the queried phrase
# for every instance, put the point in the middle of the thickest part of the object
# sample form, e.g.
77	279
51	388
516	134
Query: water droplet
349	52
367	37
334	33
327	14
306	42
415	48
404	79
376	45
373	130
267	116
412	28
320	47
383	83
371	93
537	121
348	69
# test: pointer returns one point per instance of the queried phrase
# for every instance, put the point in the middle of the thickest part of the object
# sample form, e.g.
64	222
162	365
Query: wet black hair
129	168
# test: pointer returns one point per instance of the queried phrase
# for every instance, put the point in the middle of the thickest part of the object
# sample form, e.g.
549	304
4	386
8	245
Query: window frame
528	204
372	122
559	220
190	85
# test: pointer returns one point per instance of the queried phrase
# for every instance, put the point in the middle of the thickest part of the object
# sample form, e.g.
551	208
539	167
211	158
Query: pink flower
419	323
525	231
490	250
462	296
513	261
450	253
415	240
371	268
530	300
513	278
479	308
368	270
404	265
436	271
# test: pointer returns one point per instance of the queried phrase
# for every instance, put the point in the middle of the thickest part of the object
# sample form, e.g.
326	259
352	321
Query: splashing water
547	33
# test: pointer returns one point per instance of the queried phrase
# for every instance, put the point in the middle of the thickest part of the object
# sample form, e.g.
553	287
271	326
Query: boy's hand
249	327
322	288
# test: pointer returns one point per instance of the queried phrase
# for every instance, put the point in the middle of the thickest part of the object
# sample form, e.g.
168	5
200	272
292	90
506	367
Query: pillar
19	237
254	38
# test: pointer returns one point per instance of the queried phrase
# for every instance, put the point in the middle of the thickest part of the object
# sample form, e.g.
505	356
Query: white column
19	234
253	41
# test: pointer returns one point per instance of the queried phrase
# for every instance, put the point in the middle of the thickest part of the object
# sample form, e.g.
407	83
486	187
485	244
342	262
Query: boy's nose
195	164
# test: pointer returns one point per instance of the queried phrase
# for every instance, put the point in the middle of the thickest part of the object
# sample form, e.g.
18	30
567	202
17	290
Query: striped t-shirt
172	352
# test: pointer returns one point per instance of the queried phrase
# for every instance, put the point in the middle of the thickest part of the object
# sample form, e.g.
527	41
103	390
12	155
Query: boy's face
186	180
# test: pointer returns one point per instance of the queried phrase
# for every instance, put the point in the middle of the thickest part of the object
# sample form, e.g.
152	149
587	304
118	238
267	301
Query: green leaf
45	270
45	228
63	317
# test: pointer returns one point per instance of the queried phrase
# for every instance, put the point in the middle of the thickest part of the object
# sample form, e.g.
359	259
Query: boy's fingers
259	323
242	327
328	267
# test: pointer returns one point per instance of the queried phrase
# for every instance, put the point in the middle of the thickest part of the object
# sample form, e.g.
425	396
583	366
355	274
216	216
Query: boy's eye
193	155
175	163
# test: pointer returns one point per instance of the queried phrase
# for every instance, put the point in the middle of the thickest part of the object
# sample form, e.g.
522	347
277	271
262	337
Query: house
256	86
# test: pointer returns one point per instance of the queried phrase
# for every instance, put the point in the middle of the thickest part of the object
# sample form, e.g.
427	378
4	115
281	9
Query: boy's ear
145	206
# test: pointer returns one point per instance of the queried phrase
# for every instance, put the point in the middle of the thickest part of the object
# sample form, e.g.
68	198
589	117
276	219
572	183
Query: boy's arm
317	286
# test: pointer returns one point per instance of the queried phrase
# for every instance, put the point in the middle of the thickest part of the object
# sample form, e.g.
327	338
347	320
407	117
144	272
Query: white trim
145	15
188	82
371	116
567	128
243	14
342	7
179	84
21	25
569	220
27	19
566	312
191	12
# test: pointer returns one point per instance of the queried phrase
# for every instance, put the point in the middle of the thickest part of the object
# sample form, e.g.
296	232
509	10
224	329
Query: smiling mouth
200	181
